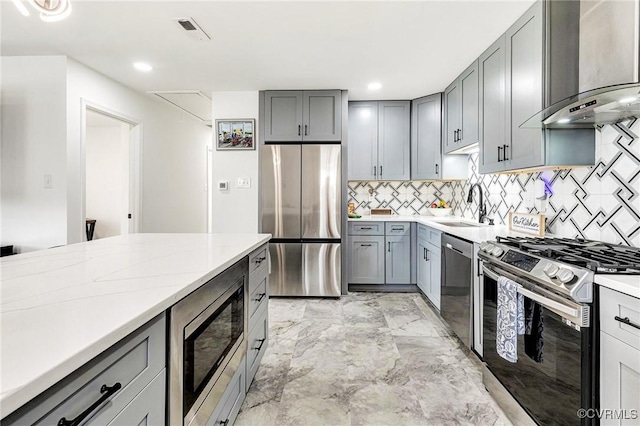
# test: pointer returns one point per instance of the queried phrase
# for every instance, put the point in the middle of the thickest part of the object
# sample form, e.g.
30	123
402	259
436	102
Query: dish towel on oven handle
510	319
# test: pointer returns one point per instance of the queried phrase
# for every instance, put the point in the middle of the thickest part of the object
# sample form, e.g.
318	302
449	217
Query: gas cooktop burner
596	256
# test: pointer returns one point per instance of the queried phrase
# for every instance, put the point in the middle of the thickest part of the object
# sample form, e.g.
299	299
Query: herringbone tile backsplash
601	202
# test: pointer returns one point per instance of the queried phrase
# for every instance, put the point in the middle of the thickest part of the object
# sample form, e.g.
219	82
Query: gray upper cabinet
492	107
461	110
379	140
283	116
524	63
393	140
363	140
303	116
426	117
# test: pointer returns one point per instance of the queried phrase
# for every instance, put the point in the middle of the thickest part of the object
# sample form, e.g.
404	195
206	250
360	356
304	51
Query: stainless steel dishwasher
456	289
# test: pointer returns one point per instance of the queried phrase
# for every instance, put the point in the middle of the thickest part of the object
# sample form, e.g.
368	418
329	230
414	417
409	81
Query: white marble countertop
476	234
627	284
61	307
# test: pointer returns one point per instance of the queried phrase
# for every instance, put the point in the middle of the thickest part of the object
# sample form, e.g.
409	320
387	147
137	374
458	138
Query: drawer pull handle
259	260
106	391
224	423
626	321
260	345
262	296
365	245
396	228
365	227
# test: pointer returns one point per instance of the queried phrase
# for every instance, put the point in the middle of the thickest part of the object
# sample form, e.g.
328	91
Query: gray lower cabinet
428	263
134	363
379	140
258	307
398	259
231	400
148	407
303	116
367	259
619	355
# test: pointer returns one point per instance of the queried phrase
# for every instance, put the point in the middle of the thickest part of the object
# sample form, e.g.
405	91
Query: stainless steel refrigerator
301	195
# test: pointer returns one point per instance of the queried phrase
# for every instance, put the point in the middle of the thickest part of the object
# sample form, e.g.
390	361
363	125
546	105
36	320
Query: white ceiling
413	48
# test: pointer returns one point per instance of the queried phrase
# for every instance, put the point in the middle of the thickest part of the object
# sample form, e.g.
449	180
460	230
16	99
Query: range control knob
489	248
565	275
551	270
483	246
497	251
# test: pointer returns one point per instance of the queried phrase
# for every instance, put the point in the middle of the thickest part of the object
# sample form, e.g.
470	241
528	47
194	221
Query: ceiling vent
190	101
192	29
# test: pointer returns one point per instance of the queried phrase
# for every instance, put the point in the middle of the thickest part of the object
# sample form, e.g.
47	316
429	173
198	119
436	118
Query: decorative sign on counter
532	224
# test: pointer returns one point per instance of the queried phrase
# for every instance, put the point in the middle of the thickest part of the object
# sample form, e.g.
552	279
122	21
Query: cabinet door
366	259
491	71
398	260
433	256
469	113
322	116
393	140
283	116
619	378
451	116
363	141
524	59
426	125
148	407
423	267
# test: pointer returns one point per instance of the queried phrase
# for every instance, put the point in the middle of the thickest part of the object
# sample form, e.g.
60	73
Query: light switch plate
48	181
244	182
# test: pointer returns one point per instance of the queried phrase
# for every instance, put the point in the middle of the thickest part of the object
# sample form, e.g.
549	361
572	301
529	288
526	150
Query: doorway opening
111	174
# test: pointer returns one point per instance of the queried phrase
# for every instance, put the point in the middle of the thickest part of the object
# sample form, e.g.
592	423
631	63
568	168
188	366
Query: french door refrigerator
301	207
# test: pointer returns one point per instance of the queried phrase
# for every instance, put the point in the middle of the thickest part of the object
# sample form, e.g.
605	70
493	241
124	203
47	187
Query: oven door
553	388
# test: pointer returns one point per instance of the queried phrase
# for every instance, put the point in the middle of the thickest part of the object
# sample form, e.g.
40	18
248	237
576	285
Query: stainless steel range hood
608	48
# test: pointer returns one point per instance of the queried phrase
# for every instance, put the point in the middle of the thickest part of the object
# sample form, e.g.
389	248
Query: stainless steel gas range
555	373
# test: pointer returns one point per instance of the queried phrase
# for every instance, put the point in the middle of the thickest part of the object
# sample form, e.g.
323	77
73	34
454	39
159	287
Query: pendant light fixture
50	10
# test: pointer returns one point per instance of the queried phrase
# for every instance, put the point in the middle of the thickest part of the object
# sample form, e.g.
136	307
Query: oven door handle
573	314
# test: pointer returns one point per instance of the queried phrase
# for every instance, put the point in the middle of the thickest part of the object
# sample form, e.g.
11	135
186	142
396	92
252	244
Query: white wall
33	145
173	154
107	161
235	210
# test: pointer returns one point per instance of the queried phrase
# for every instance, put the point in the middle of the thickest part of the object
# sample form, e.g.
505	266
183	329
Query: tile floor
365	359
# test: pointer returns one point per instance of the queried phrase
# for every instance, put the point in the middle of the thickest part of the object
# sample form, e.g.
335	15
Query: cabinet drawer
366	228
430	235
259	261
257	300
147	408
257	343
615	304
133	362
397	228
231	400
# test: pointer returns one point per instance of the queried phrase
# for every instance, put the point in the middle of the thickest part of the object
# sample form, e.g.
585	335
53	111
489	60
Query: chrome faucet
482	209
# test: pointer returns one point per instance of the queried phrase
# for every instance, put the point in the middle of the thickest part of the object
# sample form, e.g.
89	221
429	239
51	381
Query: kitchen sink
461	224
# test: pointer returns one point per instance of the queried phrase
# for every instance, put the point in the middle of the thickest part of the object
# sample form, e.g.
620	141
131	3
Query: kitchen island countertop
62	307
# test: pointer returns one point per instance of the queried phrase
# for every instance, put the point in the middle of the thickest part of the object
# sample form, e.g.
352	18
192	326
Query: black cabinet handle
298	130
427	256
224	423
365	227
375	169
504	151
437	168
260	345
395	228
380	171
306	133
106	391
626	321
365	245
389	247
262	296
499	151
424	254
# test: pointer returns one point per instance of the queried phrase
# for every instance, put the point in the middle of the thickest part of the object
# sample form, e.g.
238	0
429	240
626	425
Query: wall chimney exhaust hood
607	54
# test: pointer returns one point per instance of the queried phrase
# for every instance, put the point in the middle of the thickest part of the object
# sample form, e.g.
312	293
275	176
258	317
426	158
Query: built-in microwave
207	345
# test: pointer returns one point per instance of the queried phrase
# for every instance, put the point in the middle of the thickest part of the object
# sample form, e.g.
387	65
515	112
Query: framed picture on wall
235	134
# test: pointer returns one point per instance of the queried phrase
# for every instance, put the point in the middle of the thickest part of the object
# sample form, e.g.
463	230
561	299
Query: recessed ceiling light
564	120
628	100
375	86
142	66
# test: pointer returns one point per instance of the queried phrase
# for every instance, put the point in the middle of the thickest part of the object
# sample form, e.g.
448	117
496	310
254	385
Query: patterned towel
510	320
